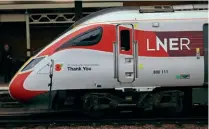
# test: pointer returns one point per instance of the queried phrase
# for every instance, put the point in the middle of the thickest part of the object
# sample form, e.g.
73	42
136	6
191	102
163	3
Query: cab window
88	38
32	63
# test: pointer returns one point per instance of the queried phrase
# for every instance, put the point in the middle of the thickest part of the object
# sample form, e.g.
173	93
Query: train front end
31	81
24	85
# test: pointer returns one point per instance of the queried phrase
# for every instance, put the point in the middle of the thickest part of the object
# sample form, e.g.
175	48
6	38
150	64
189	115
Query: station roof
14	5
50	6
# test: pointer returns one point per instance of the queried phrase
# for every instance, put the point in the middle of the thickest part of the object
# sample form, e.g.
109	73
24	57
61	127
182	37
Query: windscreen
32	63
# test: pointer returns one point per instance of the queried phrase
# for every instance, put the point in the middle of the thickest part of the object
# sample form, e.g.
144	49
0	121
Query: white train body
164	49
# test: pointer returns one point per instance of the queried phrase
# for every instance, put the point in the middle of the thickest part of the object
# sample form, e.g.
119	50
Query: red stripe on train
18	92
147	41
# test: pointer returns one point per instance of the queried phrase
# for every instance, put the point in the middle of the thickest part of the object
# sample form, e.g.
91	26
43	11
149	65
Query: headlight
32	63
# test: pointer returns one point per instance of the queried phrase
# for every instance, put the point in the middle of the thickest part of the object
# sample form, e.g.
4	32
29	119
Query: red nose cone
16	87
17	90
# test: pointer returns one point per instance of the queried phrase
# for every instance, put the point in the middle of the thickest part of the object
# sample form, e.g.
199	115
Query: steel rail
77	120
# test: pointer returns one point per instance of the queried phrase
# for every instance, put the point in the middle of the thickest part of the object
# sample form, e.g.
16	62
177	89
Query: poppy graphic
58	67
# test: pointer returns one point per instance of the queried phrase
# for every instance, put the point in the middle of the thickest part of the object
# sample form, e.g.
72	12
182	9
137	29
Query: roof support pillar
78	10
28	45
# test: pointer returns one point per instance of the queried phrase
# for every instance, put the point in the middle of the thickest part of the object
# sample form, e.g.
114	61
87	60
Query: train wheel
164	103
170	103
91	105
58	101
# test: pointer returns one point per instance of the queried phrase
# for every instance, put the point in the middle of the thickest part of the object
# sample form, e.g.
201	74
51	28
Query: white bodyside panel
101	73
184	25
126	16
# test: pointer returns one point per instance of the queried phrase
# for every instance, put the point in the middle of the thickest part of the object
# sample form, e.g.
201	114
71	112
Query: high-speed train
149	57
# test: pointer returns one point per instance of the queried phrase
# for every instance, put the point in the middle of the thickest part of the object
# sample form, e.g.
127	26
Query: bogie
162	101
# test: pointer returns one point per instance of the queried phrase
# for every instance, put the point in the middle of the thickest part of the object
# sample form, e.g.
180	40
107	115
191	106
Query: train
144	58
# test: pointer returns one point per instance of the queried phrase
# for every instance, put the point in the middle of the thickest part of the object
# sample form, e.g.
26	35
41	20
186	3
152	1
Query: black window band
88	38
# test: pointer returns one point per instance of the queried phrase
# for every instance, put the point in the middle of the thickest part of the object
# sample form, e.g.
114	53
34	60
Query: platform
3	86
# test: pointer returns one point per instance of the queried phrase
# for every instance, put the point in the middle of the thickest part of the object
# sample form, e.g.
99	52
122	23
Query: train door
125	54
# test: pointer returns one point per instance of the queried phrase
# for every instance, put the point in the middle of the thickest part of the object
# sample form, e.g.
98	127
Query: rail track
74	118
116	121
64	118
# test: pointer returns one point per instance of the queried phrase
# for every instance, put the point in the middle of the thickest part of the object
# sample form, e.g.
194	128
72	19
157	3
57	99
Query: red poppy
58	67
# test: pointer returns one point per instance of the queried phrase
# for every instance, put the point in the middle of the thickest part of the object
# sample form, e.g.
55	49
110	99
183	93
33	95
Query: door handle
136	58
115	60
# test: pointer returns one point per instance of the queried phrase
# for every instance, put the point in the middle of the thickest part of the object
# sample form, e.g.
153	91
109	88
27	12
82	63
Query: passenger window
91	37
125	40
